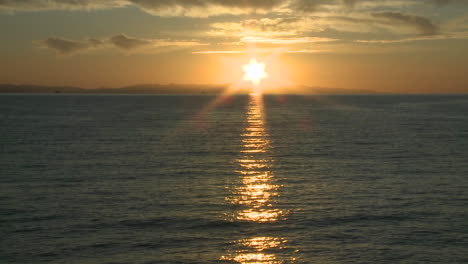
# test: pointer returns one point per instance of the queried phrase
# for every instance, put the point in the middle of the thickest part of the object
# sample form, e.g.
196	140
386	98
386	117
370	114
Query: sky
396	46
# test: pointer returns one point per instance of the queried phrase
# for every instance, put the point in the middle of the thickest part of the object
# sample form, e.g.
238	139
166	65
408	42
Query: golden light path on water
255	194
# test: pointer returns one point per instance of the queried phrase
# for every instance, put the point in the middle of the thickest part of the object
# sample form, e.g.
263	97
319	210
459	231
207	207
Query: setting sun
254	71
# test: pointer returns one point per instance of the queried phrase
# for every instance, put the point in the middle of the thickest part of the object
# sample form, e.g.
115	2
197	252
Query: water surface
248	179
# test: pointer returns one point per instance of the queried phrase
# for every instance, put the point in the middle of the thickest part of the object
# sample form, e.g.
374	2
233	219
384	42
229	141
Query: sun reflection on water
255	195
257	190
257	250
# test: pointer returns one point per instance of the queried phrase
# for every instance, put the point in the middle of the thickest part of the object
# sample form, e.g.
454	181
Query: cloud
267	24
286	41
121	41
325	28
262	50
192	8
128	43
66	46
307	5
446	2
206	8
306	51
59	4
424	25
158	4
125	42
205	3
397	3
264	27
273	22
461	35
350	3
196	8
219	52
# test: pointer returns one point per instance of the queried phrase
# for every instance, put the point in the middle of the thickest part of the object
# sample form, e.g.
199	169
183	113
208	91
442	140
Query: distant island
167	89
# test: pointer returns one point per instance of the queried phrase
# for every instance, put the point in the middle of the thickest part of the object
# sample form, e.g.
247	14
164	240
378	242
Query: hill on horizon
167	89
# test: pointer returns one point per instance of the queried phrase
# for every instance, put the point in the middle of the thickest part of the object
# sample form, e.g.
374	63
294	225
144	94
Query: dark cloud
307	5
438	2
66	46
155	4
95	42
149	5
57	4
179	7
127	43
424	25
446	2
350	3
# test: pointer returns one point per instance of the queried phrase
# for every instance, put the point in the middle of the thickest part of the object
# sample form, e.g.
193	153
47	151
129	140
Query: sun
254	72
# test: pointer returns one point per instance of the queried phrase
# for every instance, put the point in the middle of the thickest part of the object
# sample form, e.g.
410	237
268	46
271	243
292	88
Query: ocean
233	179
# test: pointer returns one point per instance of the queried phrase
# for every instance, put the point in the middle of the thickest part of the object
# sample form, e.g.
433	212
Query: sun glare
254	72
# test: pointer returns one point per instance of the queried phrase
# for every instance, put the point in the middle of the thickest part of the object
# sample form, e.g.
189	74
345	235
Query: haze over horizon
384	46
178	89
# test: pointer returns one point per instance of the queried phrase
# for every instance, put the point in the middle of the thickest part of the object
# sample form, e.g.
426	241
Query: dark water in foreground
286	179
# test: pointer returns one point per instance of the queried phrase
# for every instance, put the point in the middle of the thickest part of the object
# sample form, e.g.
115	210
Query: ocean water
240	179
